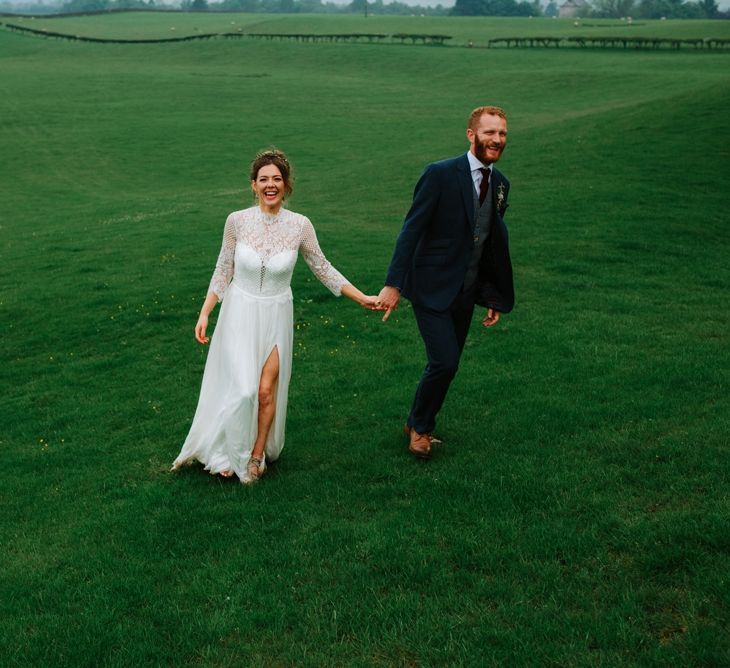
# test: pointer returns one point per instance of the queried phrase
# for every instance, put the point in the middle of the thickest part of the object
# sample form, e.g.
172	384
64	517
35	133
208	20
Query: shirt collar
475	163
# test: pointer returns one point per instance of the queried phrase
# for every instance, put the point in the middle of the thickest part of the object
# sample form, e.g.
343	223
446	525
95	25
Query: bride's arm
221	278
208	305
359	297
223	272
326	273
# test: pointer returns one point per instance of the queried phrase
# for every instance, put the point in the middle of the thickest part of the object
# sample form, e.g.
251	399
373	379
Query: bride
239	422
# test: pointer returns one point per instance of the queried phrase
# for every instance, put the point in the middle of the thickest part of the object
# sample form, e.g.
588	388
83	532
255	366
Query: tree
240	5
85	6
552	9
311	6
671	9
614	9
199	6
494	8
469	8
709	8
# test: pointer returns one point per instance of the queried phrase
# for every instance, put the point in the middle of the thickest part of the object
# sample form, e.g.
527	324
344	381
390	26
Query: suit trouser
444	334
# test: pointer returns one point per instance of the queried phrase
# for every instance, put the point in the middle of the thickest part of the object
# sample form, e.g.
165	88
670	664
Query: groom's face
488	139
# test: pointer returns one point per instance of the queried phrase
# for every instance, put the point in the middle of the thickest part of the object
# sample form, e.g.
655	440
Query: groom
452	253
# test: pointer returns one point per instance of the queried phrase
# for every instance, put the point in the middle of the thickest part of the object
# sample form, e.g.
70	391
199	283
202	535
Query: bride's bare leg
267	404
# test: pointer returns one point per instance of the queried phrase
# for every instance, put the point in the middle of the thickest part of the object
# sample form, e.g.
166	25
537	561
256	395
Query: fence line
436	40
298	37
610	42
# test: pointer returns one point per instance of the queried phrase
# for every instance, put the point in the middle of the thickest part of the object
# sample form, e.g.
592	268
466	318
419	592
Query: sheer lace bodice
259	252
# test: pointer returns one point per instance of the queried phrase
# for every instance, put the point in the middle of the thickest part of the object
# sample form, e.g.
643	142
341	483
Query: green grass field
578	512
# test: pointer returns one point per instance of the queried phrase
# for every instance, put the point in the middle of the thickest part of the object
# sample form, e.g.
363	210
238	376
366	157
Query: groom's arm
425	200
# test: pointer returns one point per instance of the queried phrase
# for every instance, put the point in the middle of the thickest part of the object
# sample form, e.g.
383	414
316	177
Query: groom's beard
481	150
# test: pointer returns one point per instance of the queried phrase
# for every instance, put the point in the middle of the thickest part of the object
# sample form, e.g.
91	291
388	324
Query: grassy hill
577	513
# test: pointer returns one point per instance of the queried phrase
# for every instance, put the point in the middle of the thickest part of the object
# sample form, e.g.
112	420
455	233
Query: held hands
366	301
370	302
388	300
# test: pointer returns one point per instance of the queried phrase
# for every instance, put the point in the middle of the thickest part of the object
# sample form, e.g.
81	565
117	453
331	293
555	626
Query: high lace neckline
269	218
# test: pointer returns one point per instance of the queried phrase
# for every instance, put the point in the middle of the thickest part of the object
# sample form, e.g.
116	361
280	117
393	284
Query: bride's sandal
254	469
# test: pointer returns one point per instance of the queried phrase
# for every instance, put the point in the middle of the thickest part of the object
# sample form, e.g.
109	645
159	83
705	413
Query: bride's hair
273	156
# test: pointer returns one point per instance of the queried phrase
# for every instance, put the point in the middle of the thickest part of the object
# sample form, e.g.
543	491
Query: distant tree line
637	9
657	9
496	8
319	7
646	9
252	6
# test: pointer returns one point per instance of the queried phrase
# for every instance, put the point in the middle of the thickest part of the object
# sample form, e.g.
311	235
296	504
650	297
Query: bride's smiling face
270	188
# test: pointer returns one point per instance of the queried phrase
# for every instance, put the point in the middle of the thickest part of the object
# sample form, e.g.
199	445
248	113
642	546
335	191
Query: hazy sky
723	4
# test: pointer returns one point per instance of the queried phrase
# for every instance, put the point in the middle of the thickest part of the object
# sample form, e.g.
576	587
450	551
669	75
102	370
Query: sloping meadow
577	512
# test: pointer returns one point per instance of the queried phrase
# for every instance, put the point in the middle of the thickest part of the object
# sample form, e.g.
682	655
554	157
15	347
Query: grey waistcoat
482	224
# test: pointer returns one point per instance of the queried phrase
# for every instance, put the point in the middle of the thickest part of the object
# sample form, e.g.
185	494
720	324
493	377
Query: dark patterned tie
484	185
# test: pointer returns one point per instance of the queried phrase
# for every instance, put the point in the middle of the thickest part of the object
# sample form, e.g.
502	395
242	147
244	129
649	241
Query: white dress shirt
475	165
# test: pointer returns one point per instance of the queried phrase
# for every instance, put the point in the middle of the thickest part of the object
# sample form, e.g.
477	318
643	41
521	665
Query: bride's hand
370	302
200	328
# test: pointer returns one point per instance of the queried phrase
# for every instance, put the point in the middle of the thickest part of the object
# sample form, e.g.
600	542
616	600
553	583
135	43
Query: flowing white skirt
225	425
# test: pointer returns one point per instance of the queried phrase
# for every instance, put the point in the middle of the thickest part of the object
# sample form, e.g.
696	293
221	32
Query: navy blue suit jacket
436	242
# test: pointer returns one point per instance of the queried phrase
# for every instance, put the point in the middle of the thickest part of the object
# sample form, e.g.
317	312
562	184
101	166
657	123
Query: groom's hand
388	300
492	318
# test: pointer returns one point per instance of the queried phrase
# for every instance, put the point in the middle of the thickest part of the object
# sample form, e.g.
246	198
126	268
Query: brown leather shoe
420	444
431	437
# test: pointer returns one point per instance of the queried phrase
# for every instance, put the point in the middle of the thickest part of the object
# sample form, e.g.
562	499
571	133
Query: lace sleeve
224	266
318	263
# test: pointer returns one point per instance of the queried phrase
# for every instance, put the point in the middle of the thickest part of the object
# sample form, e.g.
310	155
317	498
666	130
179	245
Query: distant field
578	512
463	30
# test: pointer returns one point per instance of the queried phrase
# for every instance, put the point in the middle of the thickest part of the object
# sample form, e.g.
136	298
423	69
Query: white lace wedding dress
253	273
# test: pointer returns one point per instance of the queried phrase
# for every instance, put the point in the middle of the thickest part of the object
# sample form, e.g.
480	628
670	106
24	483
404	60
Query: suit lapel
467	188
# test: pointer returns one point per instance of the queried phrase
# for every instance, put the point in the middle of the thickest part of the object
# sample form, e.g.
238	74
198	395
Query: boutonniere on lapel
501	204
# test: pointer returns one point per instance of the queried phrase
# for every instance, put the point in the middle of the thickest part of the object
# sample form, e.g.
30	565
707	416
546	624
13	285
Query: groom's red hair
480	111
